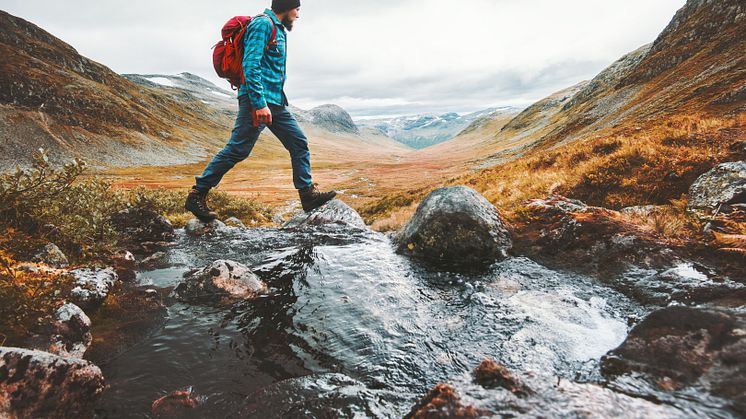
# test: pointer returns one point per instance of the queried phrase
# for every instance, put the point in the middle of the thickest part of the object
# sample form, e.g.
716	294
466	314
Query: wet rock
455	227
725	184
444	402
223	280
334	212
139	227
52	256
681	346
684	283
72	332
40	384
197	228
235	222
490	374
570	234
124	264
175	404
92	286
158	260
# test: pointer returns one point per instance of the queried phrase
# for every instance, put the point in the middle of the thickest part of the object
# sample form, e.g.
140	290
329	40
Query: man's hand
264	116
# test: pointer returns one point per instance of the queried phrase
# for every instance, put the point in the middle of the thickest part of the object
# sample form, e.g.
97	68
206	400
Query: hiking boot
311	198
196	202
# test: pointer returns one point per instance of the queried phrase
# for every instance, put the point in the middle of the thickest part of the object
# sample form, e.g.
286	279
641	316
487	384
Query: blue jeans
244	136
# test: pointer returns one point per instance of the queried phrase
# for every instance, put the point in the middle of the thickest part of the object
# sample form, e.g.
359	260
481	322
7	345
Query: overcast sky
375	57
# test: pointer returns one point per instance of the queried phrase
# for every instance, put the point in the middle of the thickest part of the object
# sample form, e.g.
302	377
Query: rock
72	332
175	404
235	222
52	256
334	212
680	346
223	280
139	225
124	264
444	402
725	184
558	205
40	384
684	283
92	286
157	260
490	374
455	227
197	228
333	118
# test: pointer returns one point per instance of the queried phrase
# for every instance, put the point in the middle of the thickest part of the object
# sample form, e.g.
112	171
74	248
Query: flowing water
351	328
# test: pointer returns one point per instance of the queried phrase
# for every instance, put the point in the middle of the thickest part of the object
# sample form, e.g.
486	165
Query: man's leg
286	128
238	148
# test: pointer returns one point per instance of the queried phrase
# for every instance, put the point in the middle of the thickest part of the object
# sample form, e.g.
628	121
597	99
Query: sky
375	57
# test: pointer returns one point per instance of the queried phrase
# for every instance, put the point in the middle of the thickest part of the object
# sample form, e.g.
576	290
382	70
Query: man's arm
256	42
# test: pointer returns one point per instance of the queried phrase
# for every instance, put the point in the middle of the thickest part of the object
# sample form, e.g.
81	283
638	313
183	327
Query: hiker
262	103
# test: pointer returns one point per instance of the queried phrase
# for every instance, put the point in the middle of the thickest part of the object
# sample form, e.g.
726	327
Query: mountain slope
52	97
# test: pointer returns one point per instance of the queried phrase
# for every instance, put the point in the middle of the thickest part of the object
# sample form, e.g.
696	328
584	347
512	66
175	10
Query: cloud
376	57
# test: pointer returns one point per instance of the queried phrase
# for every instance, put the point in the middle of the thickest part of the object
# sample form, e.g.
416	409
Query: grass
629	166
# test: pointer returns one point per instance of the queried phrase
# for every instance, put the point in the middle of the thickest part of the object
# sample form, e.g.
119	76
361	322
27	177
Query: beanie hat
281	6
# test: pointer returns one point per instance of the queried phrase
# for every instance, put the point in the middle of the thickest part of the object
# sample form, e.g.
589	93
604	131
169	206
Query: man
261	103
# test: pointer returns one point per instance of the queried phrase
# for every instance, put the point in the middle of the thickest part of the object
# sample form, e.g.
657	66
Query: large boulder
725	184
334	212
36	384
681	346
455	227
222	281
92	286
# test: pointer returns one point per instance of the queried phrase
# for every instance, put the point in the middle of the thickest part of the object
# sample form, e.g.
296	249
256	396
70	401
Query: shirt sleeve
257	37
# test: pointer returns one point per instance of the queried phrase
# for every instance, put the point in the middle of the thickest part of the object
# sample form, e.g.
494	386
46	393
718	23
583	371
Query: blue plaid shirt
264	68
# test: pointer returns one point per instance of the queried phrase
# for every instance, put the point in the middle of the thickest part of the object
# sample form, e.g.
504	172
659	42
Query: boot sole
315	204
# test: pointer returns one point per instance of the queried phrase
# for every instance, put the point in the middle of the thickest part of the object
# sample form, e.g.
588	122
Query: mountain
425	130
52	97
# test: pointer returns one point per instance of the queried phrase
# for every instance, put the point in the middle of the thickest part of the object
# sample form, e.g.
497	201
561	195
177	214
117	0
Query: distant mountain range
425	130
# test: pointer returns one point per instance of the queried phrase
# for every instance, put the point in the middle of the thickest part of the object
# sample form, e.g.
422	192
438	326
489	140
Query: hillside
638	133
52	97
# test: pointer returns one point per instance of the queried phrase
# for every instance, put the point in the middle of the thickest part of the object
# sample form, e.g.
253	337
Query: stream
352	329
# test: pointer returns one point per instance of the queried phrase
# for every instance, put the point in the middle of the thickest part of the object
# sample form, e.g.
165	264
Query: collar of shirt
273	16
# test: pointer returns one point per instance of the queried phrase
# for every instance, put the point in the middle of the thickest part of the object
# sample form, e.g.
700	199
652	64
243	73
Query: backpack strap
273	38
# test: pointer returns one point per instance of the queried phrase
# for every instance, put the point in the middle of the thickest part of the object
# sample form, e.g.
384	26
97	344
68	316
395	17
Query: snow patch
162	81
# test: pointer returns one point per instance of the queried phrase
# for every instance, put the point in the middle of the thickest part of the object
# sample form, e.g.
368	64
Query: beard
287	23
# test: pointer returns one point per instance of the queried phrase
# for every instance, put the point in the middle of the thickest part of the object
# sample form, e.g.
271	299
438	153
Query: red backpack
227	55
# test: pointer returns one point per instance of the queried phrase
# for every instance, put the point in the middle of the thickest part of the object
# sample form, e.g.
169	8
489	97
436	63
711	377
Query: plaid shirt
264	69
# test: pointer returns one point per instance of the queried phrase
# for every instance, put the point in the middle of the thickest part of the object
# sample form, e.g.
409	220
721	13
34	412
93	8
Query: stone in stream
490	374
679	346
334	212
198	228
455	227
222	280
92	286
36	384
175	404
443	401
124	264
725	184
72	332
